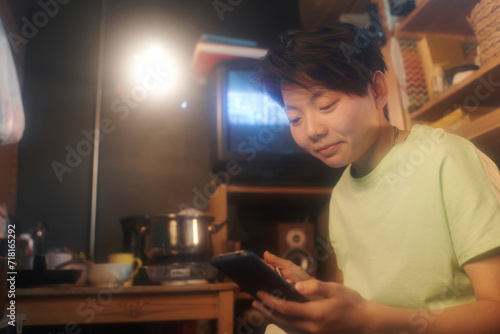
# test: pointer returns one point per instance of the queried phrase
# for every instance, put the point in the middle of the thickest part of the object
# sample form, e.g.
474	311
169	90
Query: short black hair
339	56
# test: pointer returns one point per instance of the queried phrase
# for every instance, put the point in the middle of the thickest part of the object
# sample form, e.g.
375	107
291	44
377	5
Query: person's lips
328	150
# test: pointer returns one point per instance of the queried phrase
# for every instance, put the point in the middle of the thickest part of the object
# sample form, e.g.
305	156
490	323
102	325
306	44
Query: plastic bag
11	107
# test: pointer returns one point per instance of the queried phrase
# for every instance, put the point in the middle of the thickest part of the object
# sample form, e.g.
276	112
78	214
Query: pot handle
216	227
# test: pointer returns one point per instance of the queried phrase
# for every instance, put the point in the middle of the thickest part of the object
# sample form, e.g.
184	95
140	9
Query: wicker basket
485	22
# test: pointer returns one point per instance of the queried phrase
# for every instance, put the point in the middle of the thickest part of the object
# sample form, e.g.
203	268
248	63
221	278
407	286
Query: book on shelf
450	119
216	39
207	54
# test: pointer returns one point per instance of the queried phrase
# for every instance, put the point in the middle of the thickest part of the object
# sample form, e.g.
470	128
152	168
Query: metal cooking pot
181	238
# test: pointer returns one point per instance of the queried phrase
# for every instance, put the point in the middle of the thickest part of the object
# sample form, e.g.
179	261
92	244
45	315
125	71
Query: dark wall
154	153
59	98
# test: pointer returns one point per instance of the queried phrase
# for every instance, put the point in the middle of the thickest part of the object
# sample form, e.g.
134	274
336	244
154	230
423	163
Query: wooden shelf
279	190
442	17
475	94
278	195
483	131
471	91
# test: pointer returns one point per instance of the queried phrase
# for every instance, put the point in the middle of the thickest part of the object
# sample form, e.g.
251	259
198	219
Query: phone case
251	274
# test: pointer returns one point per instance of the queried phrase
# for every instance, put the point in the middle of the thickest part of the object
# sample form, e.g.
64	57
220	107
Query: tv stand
278	199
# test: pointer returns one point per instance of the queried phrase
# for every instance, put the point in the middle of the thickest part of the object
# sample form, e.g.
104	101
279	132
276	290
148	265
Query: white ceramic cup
109	274
55	259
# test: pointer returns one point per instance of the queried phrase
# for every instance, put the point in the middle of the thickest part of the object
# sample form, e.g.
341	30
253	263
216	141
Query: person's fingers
288	269
273	259
269	264
279	306
273	264
317	288
270	258
266	311
288	324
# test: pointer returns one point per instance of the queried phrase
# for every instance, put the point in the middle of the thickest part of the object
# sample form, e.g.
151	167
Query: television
250	138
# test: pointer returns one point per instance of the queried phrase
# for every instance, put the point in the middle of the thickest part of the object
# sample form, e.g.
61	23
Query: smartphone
251	274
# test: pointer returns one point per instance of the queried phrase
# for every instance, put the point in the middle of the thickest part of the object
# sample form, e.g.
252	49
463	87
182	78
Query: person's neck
375	153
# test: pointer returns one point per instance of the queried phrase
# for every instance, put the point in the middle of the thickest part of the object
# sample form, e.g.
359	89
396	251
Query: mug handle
137	264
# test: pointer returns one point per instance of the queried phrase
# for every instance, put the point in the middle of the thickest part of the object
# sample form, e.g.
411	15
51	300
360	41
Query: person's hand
334	309
289	270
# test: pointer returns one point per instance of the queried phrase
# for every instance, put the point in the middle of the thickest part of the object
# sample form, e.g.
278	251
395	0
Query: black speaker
295	242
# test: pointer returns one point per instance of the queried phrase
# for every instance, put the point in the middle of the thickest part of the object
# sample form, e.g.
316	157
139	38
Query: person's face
332	126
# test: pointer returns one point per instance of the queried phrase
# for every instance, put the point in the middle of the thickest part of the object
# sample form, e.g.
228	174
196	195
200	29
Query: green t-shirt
402	232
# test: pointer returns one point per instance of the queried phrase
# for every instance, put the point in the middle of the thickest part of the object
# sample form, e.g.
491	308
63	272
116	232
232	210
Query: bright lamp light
155	70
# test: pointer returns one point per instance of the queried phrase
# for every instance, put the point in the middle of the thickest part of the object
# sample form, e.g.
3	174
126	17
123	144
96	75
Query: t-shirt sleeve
470	184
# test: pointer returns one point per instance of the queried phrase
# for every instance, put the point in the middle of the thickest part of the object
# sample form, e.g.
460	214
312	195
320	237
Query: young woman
414	219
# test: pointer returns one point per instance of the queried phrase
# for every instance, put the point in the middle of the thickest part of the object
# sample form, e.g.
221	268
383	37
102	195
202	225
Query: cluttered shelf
443	17
484	125
482	128
479	89
470	107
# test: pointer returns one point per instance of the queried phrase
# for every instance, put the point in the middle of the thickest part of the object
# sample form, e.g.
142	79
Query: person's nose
315	129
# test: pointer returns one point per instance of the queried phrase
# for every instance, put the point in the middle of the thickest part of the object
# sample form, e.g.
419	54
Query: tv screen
252	114
253	130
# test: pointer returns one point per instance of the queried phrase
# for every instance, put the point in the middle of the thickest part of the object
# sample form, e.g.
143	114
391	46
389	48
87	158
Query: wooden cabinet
256	209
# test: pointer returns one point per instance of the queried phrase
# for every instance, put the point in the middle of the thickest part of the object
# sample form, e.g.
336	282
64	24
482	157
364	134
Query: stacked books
211	49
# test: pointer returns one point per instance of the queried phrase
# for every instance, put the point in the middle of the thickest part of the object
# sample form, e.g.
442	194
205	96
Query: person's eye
295	121
328	106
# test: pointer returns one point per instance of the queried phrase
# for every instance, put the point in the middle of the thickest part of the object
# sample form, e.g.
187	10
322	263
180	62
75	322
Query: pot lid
191	212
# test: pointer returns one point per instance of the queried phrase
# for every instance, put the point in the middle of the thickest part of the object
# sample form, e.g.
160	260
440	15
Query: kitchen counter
73	305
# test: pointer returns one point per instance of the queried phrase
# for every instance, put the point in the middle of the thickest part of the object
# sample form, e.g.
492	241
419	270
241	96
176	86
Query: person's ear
380	89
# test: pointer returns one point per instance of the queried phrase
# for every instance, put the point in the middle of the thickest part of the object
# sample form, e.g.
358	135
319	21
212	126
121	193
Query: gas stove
188	271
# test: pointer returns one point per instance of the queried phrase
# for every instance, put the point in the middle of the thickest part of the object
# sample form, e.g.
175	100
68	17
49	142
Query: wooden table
71	306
